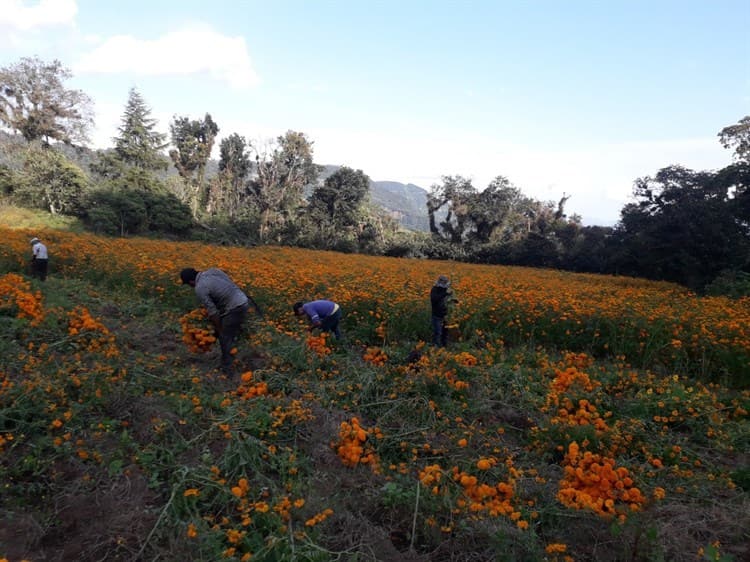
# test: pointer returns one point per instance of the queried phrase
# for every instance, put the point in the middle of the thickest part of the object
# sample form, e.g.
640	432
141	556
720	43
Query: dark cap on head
187	275
297	306
442	281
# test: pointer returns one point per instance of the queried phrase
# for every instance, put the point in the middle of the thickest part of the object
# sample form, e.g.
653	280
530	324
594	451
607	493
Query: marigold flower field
571	417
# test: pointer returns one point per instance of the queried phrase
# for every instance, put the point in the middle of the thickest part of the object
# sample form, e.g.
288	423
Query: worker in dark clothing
441	296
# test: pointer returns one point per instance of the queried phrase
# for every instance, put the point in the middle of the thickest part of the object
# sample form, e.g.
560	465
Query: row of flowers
647	321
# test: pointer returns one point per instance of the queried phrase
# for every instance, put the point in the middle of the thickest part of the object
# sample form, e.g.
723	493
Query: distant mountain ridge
404	201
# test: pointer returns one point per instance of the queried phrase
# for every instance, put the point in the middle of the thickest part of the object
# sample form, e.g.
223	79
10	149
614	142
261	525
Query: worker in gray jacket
226	305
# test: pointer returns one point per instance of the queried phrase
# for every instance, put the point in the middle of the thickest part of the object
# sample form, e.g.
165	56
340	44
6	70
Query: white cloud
23	16
191	50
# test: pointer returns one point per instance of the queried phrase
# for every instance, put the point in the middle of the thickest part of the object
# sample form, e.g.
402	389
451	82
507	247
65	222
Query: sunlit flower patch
195	333
16	292
594	482
354	448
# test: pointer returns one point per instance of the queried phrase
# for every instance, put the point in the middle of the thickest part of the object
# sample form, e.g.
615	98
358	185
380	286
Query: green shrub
729	283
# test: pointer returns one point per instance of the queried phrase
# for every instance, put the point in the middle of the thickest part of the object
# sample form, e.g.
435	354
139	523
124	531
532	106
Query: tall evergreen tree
138	143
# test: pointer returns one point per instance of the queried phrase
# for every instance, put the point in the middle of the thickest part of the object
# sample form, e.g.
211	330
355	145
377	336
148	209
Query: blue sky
569	96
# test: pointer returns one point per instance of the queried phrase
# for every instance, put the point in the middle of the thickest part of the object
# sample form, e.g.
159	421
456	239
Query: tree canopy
737	137
193	141
685	227
35	102
283	170
339	198
229	189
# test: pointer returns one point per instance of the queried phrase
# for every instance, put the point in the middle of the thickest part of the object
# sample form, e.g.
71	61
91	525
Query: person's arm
215	320
315	321
213	312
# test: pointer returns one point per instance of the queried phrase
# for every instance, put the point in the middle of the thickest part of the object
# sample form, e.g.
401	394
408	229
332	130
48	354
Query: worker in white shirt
39	259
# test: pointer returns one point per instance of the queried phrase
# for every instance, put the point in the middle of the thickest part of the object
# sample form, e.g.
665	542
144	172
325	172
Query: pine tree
138	144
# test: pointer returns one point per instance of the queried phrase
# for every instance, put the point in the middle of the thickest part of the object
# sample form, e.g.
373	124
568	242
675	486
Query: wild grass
12	216
564	422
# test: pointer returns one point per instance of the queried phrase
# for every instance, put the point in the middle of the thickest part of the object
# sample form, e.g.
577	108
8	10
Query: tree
283	170
50	181
498	213
228	188
339	199
7	180
737	136
376	229
138	143
234	157
193	141
455	194
684	228
736	177
35	102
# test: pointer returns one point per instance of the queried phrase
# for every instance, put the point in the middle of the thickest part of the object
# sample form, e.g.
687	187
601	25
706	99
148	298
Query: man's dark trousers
231	325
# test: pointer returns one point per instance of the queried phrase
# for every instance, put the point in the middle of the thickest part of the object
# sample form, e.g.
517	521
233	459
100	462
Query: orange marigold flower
484	464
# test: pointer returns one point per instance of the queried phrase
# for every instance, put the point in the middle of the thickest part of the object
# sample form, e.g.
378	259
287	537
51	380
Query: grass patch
15	217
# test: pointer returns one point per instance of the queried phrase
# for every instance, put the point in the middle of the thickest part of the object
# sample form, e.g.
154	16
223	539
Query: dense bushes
135	212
